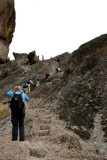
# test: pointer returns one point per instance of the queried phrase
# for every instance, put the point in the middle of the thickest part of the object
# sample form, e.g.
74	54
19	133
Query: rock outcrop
7	26
67	115
86	88
21	58
33	58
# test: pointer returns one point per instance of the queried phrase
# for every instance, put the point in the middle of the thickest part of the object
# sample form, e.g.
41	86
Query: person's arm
26	97
10	93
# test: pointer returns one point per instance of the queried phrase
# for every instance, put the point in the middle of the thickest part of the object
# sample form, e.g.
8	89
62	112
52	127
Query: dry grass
4	111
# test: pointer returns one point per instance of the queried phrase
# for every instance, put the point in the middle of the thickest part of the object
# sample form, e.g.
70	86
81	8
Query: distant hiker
17	112
47	74
37	81
38	57
42	57
29	82
58	70
25	87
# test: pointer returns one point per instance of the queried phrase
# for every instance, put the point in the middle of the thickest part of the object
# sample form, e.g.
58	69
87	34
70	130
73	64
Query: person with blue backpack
28	83
25	87
37	81
17	107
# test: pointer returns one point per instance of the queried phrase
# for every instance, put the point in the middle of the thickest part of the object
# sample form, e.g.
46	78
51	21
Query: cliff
7	26
86	78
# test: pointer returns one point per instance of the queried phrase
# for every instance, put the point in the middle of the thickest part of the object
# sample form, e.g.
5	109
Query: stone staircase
46	139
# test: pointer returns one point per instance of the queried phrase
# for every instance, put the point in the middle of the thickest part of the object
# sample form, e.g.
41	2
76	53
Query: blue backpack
25	85
36	79
28	82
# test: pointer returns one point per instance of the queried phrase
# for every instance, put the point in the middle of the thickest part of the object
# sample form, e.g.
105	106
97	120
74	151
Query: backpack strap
22	99
13	93
21	94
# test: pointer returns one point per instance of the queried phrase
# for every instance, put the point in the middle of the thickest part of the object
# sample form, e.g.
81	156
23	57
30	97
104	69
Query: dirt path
46	139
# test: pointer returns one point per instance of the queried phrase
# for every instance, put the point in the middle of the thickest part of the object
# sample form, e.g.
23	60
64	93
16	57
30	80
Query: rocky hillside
66	117
86	86
7	26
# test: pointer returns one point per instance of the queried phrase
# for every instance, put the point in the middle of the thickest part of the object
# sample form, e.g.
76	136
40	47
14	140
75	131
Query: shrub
42	80
4	111
33	86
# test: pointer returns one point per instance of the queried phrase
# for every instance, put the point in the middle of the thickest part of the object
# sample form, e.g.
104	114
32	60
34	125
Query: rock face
62	59
76	95
86	88
7	26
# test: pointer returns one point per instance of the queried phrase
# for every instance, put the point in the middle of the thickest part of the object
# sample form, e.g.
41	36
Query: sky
52	27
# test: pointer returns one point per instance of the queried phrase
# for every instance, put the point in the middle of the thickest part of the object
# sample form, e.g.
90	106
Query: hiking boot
21	139
14	139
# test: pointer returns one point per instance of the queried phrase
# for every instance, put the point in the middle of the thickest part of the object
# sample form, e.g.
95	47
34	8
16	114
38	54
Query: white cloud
52	27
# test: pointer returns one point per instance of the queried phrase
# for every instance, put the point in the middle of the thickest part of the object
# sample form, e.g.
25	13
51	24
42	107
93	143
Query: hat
18	88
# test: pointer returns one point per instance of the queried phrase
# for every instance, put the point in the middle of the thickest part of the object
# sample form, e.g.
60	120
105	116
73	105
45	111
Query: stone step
34	152
44	133
46	117
44	138
44	127
45	121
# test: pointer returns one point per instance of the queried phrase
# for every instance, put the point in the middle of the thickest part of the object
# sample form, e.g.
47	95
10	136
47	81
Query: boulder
22	58
20	55
33	58
7	26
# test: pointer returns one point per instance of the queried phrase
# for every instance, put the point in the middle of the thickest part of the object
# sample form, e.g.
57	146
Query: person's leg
38	83
29	88
14	121
26	90
21	128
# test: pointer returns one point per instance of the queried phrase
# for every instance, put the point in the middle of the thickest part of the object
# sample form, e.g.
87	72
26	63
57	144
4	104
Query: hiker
17	112
58	70
47	74
28	83
25	87
42	57
38	57
37	81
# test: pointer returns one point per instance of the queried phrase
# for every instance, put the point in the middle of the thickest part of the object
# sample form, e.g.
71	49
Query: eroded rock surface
86	89
7	26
